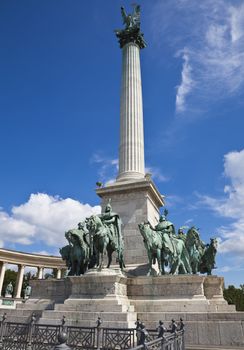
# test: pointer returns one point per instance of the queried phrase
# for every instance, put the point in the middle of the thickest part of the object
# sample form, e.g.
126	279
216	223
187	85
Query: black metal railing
33	336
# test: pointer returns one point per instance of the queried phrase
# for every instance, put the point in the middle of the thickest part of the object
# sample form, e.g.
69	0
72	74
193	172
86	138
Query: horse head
91	224
193	234
65	253
145	230
214	244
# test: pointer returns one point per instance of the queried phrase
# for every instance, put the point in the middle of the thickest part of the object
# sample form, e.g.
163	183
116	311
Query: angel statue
132	32
131	21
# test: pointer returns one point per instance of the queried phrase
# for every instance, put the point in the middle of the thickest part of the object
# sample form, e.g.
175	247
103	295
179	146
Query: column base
135	201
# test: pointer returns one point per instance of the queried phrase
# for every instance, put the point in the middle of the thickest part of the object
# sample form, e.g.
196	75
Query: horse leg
100	261
175	267
109	251
150	258
159	262
162	258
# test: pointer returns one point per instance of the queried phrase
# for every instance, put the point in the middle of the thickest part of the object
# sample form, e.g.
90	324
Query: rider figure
113	221
181	234
165	227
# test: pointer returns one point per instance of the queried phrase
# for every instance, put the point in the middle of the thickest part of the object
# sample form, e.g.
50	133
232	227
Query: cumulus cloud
231	205
210	34
43	218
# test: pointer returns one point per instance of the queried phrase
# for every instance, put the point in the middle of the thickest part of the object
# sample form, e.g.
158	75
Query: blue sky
60	70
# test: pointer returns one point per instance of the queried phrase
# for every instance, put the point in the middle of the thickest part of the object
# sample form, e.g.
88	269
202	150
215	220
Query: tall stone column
2	274
131	151
133	195
19	282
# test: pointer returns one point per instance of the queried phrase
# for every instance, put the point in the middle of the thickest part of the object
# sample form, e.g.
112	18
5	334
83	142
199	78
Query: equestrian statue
180	253
95	237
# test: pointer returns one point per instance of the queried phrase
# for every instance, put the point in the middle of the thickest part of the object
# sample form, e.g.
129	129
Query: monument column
131	151
133	195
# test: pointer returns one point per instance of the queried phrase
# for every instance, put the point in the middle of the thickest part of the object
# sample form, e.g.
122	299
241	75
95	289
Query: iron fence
33	336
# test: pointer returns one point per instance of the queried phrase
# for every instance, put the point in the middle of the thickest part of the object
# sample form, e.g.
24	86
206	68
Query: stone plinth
96	294
135	201
119	300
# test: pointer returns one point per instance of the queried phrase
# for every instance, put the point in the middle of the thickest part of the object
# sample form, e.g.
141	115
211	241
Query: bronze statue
131	33
107	236
207	263
77	252
95	236
182	253
9	289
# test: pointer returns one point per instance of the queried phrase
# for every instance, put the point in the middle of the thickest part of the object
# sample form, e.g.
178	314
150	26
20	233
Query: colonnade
22	260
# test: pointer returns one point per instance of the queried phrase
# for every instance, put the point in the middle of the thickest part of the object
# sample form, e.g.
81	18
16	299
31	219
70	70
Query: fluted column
19	282
131	152
2	274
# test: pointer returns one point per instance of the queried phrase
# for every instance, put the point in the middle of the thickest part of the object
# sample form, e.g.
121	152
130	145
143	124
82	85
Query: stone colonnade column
19	282
131	152
2	274
58	276
40	272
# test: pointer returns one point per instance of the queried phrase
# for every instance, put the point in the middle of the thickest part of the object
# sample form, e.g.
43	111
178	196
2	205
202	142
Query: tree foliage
235	296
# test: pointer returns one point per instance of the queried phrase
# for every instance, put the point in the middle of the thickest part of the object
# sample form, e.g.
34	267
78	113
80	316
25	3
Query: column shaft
40	273
19	282
58	274
2	274
131	153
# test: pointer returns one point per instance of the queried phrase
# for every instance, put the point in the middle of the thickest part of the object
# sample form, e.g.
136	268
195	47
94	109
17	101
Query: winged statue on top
131	33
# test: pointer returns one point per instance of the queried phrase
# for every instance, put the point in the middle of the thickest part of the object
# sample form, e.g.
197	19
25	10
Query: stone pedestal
135	202
119	300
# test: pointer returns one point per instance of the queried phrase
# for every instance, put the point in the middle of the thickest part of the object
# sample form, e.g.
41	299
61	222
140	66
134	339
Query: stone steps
77	315
197	316
32	304
183	305
94	306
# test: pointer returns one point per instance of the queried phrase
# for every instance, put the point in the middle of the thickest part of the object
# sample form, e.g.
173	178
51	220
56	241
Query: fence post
63	321
30	331
2	326
98	323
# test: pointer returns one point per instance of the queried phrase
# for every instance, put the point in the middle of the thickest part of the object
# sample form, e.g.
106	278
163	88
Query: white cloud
43	218
231	205
185	86
211	35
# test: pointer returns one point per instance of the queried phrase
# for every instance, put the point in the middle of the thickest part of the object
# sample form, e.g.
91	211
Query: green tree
235	296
